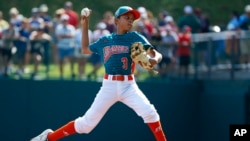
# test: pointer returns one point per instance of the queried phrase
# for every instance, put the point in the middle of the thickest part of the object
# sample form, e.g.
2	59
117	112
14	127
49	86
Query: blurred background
219	38
201	89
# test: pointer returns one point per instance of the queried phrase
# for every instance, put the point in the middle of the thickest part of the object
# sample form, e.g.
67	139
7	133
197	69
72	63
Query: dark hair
236	14
41	29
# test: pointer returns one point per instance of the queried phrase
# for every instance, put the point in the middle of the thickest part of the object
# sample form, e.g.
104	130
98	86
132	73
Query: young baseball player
118	84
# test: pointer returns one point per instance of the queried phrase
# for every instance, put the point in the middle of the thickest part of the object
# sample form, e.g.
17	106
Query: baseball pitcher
119	52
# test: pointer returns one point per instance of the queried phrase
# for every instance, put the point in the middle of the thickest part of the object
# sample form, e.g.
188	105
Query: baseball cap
142	9
68	4
126	9
43	8
101	25
64	17
187	28
35	10
188	9
168	19
59	11
14	11
247	8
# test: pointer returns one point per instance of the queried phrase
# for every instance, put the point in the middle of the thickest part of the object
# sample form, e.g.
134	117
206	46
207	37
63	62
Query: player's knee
84	131
82	126
151	116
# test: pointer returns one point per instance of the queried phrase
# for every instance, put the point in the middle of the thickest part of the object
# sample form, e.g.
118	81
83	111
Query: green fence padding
189	110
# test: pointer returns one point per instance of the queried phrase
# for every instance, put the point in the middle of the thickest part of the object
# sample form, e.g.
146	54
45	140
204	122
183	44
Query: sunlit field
53	73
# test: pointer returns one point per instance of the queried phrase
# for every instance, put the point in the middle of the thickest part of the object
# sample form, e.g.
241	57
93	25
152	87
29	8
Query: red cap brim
134	12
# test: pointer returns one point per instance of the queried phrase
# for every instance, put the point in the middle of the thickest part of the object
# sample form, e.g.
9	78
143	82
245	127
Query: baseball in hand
85	12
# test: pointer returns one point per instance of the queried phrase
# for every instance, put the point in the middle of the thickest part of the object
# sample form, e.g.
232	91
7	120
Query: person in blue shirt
244	19
244	25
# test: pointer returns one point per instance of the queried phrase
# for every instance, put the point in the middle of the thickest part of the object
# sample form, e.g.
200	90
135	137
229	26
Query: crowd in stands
43	38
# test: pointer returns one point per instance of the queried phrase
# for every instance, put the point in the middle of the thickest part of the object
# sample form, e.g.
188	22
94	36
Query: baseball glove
140	55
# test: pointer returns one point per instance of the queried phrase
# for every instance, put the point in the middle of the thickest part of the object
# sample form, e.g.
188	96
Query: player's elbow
159	58
86	51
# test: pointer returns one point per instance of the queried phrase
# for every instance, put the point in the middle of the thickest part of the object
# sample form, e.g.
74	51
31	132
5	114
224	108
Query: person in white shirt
65	34
82	59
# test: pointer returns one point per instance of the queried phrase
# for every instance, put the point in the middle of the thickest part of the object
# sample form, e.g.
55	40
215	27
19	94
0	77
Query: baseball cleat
42	136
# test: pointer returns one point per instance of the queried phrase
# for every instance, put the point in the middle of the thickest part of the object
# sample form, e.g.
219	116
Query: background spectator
108	19
43	12
148	26
95	59
232	43
244	24
15	17
3	26
47	24
144	24
184	51
39	41
35	20
233	23
3	23
65	34
202	47
9	36
55	22
171	22
204	20
167	47
73	16
22	45
161	18
189	19
82	59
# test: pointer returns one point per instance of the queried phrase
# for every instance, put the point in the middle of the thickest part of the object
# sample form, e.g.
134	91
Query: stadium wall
190	110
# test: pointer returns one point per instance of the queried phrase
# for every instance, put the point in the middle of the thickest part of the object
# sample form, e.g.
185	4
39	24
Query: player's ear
116	20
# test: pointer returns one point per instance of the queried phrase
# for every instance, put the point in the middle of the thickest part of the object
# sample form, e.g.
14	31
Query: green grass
53	73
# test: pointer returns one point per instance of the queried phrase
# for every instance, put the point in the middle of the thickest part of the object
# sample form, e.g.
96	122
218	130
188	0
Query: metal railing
230	42
213	42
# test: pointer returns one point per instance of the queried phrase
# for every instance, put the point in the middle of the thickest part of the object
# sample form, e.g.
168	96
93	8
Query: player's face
126	21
